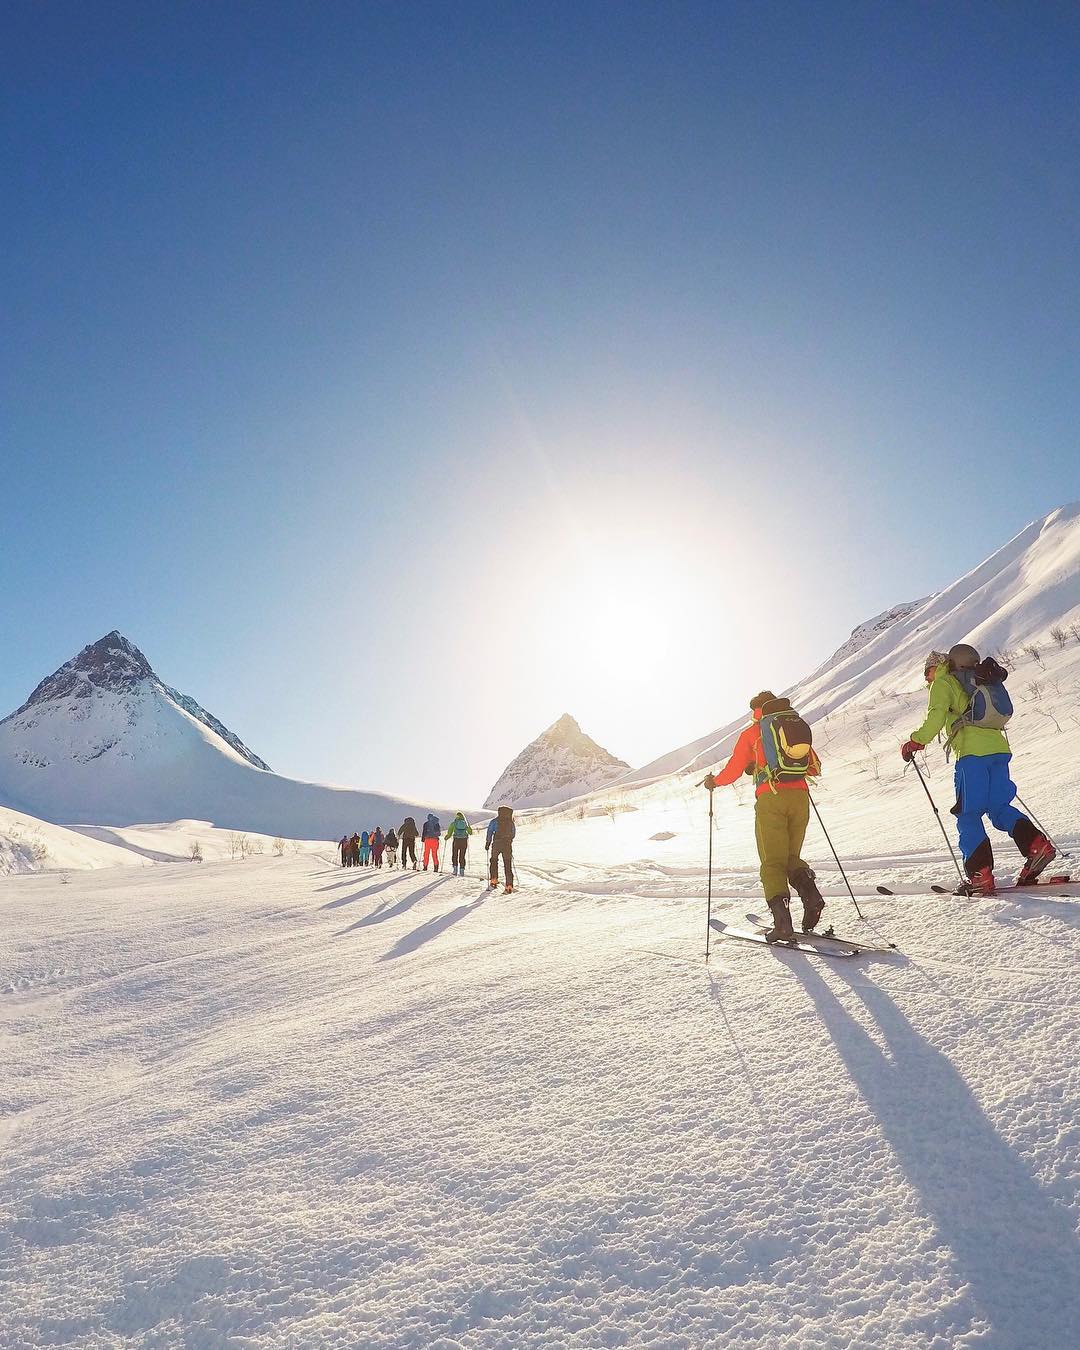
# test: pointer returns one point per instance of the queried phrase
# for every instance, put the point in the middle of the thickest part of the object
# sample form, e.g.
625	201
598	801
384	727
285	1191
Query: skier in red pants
431	834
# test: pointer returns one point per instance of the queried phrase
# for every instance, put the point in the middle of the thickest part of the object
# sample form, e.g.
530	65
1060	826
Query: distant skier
408	834
378	843
343	848
776	750
431	834
459	832
365	847
968	700
354	851
391	848
499	843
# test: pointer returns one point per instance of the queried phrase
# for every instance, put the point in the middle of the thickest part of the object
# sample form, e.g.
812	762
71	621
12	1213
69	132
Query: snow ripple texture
276	1104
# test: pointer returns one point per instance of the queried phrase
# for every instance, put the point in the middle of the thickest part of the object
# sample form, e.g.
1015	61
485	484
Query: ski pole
839	864
708	910
941	824
1028	811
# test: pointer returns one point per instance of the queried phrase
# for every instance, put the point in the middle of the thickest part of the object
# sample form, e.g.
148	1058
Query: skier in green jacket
983	785
459	832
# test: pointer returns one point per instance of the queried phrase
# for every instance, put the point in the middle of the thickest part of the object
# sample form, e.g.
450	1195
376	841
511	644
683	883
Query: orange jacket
749	753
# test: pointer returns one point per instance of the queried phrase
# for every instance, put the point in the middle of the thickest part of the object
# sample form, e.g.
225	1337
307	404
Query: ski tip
884	890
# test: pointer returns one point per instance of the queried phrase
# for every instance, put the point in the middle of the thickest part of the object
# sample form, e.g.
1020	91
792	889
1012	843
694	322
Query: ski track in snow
277	1104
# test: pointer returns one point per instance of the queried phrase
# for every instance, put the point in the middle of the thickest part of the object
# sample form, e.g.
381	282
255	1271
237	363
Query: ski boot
1039	854
812	904
781	931
494	885
980	870
509	890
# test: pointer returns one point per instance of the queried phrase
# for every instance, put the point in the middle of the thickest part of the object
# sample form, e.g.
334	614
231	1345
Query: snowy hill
561	763
105	742
866	632
1007	603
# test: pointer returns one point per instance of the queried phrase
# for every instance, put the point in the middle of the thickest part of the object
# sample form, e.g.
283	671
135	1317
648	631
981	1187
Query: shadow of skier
1013	1245
427	931
364	892
385	911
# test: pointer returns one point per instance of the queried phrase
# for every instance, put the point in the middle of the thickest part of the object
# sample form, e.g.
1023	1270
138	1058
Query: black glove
710	781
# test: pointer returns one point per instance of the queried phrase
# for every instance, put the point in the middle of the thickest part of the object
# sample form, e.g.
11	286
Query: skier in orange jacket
781	813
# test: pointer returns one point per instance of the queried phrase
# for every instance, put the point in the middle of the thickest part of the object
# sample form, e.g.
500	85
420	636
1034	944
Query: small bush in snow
1034	652
1035	691
279	847
1074	629
1059	635
1043	712
196	852
254	845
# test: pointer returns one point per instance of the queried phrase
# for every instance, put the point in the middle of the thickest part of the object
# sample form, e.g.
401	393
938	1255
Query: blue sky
399	377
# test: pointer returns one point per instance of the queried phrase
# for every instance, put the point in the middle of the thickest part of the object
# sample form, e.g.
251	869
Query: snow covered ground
274	1103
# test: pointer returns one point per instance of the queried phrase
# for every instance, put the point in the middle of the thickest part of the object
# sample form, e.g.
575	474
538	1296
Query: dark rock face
110	663
116	666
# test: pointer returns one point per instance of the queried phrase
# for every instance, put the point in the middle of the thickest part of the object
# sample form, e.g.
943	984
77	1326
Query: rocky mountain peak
111	663
562	762
114	665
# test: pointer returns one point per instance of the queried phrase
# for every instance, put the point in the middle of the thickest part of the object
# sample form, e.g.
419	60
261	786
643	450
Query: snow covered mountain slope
115	664
561	763
866	632
1008	602
105	742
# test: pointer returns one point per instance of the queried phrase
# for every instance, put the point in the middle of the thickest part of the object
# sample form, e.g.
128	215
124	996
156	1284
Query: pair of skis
826	943
1040	884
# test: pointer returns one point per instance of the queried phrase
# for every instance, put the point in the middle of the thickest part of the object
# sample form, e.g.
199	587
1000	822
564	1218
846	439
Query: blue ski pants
983	788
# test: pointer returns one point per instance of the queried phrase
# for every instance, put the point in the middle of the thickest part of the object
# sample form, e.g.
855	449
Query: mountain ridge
1013	596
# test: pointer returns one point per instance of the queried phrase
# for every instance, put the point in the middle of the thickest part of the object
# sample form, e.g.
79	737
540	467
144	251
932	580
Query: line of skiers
967	700
374	848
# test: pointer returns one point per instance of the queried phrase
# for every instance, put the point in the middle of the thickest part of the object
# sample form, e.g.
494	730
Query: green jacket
459	828
948	701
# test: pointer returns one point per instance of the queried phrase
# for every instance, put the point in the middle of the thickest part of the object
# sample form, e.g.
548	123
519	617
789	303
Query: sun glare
628	635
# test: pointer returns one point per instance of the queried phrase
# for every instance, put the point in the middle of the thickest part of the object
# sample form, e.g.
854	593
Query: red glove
909	748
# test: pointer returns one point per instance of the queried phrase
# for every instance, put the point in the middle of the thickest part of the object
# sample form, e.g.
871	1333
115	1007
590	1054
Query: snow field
274	1103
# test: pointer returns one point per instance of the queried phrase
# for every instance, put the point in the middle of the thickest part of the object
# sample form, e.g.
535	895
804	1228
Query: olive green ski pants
780	820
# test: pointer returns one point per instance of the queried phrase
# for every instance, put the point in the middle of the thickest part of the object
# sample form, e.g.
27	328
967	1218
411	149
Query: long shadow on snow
411	941
1012	1243
351	878
363	893
384	911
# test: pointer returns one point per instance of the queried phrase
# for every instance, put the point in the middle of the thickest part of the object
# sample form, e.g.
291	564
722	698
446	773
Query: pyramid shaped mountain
115	665
105	741
561	763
